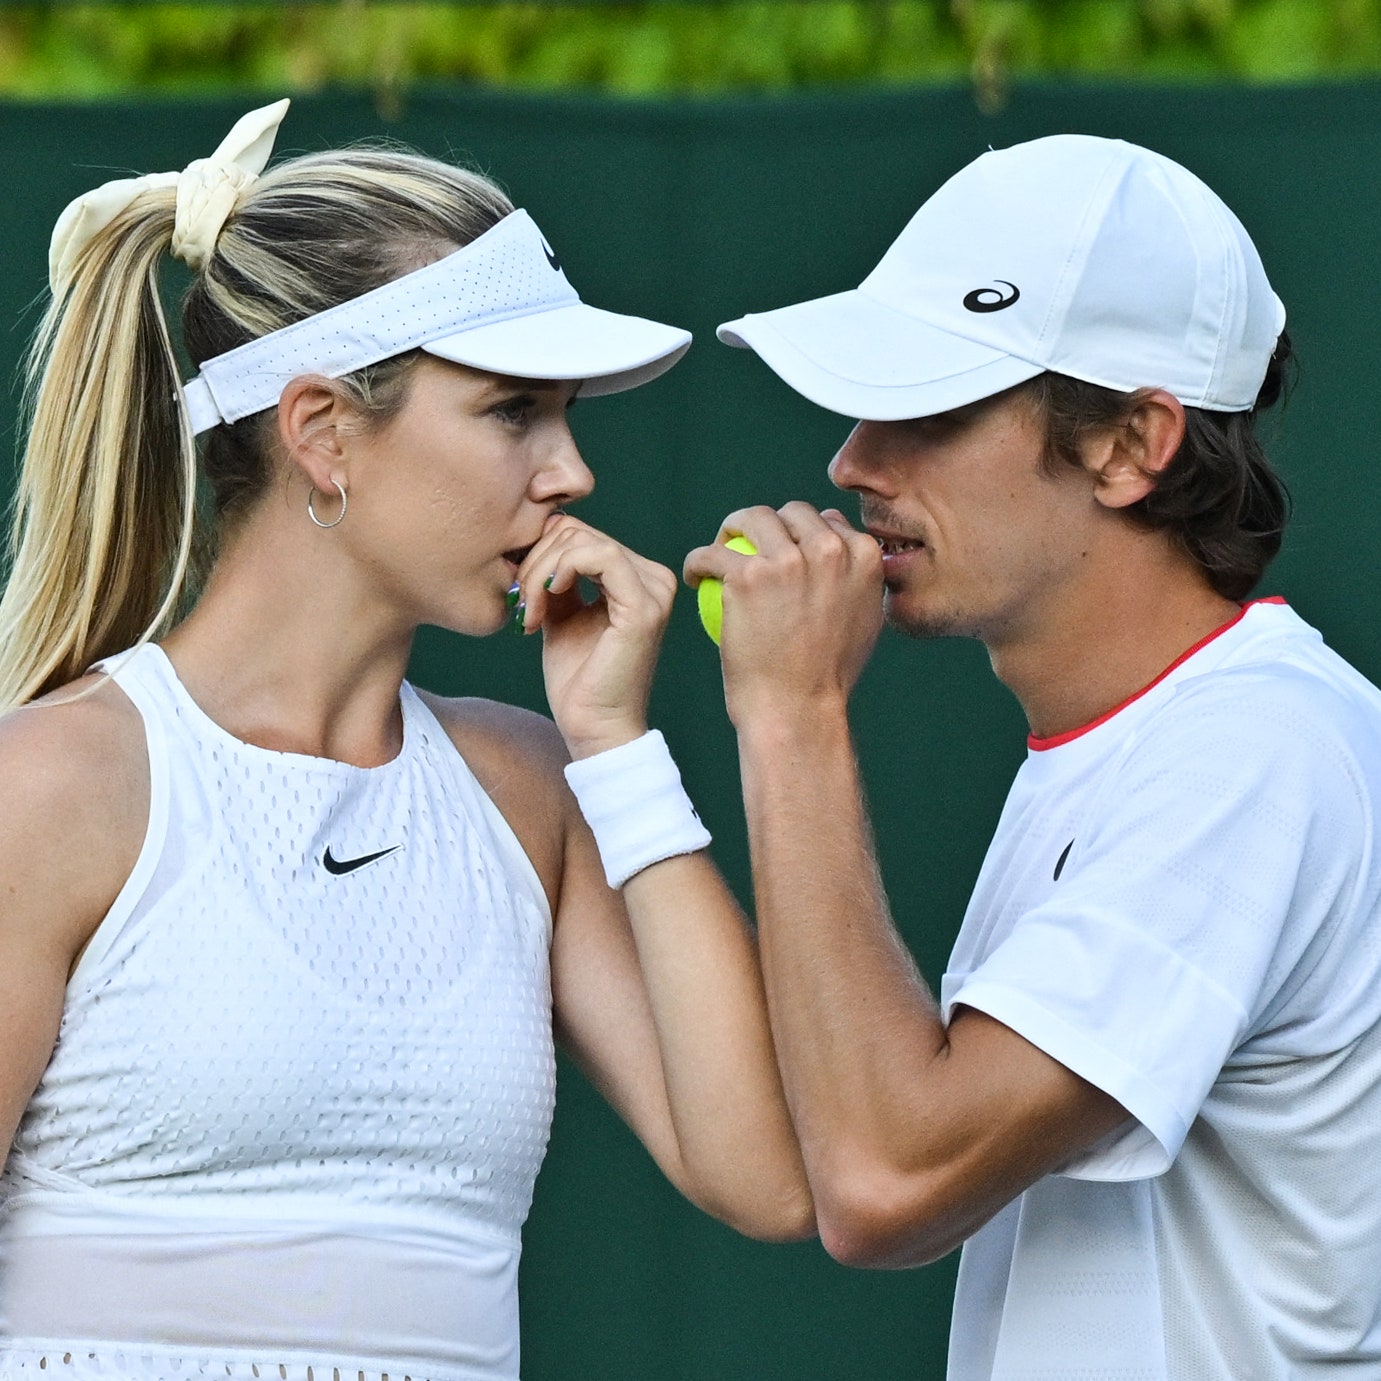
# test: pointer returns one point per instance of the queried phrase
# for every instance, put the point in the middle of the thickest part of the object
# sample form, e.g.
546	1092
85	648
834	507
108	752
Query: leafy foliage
658	47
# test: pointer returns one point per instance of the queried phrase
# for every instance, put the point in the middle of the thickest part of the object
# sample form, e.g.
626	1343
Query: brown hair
1219	497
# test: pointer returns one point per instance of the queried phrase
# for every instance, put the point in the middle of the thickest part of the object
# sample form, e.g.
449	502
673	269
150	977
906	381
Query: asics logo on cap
991	299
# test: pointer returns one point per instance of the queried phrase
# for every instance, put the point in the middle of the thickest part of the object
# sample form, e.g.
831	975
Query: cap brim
855	355
608	351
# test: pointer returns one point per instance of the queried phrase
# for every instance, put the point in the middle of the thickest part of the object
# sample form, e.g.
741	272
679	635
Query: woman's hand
801	617
598	658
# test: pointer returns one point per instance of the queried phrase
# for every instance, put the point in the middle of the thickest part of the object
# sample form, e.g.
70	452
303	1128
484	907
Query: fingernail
519	617
513	595
546	584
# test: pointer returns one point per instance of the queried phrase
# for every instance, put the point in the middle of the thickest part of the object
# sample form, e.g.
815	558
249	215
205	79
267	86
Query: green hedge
673	46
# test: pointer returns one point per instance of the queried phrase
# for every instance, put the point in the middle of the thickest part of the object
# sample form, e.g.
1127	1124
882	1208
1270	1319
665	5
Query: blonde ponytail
106	516
105	510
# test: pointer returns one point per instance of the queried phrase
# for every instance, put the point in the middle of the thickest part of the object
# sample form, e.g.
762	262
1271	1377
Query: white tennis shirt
1182	904
303	1082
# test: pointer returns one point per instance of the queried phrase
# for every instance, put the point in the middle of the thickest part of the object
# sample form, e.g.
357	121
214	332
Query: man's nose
856	464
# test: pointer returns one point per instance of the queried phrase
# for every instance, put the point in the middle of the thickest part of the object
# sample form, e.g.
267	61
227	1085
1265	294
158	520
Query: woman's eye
515	411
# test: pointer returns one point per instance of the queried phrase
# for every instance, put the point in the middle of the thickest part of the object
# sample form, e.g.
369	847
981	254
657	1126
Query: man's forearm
913	1134
855	1027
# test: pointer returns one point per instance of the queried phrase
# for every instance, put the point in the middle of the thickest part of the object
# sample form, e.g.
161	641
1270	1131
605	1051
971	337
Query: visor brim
610	352
854	355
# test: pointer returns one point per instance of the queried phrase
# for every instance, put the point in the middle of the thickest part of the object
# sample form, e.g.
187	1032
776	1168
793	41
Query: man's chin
913	623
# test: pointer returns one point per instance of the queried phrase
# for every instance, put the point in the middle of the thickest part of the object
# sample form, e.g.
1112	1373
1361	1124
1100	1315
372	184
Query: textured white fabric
207	190
292	1110
634	803
1183	905
502	303
102	1361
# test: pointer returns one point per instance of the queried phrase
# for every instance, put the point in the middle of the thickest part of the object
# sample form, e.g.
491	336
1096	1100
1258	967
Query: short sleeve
1217	849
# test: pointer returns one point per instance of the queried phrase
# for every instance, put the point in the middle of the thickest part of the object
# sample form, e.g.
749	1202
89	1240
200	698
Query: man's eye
939	425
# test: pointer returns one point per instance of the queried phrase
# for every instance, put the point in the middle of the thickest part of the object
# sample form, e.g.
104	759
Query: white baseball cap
502	304
1085	256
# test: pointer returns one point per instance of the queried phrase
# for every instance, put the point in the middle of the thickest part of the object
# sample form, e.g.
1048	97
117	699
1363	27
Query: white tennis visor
501	304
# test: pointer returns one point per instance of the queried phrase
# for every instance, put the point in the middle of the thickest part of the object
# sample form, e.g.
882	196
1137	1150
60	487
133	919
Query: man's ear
313	427
1128	457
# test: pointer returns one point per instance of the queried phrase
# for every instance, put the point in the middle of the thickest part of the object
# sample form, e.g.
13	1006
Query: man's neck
1097	652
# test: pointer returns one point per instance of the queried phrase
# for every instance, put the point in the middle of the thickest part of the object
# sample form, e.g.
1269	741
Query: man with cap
1146	1096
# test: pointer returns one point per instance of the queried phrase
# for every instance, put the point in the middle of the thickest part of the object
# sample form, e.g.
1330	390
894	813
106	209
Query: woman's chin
473	620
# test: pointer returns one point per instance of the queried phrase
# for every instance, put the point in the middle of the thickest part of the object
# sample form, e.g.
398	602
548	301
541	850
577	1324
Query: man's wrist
780	723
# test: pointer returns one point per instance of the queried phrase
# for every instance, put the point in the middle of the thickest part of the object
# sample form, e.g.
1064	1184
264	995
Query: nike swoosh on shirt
338	866
1060	865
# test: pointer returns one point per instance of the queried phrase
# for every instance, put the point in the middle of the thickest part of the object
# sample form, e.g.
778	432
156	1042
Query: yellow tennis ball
710	592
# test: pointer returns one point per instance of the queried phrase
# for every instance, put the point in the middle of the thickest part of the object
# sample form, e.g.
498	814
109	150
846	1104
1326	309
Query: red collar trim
1040	745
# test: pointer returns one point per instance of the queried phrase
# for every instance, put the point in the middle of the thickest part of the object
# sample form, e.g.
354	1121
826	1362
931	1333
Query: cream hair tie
207	190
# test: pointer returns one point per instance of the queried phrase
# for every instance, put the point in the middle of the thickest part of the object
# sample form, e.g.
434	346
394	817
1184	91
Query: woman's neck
286	650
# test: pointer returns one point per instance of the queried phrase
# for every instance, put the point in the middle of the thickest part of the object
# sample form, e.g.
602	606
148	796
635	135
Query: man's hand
801	617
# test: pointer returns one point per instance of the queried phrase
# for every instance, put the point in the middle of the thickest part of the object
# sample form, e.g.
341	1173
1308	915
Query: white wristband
632	798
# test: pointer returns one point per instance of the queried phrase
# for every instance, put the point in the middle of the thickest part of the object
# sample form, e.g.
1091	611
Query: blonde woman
283	940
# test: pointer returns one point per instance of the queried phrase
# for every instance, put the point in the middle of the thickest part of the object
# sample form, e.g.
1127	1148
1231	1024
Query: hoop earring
311	512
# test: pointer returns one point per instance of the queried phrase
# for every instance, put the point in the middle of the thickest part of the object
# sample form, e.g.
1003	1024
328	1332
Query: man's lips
894	545
898	552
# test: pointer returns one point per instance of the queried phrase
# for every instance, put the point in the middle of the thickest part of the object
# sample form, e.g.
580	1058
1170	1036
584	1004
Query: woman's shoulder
75	805
72	747
517	756
508	737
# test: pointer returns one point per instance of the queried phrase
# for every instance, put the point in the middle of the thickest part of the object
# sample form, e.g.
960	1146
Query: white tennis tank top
304	1077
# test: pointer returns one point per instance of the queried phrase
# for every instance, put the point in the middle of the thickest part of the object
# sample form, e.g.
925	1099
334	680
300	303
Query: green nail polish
514	595
519	617
546	584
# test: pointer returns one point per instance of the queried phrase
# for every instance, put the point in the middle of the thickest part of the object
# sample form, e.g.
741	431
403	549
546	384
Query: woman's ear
1127	458
313	427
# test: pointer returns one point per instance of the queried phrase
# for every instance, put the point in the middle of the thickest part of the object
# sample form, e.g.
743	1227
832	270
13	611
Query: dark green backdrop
696	213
